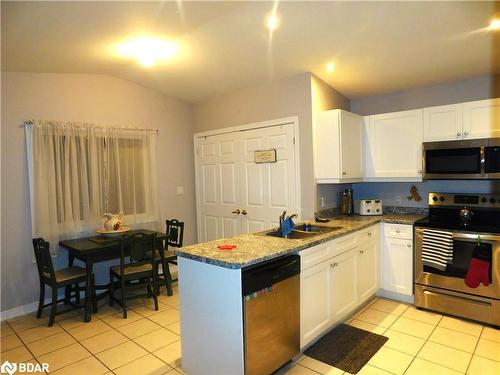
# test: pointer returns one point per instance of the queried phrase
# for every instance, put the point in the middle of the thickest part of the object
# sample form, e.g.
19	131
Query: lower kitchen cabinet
315	301
332	288
397	260
343	281
368	270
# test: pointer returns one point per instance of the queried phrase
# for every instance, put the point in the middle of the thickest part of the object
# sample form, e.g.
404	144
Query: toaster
368	207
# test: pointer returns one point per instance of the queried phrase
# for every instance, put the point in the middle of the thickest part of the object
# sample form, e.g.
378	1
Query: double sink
297	234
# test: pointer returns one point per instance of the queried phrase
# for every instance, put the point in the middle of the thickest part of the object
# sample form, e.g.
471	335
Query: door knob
244	212
236	212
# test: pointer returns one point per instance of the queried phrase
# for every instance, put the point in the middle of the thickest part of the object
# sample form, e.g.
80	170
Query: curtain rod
31	123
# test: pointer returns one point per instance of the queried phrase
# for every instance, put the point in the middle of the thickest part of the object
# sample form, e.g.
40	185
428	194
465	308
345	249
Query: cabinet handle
344	173
420	171
333	265
369	234
466	133
459	134
236	212
244	212
397	231
361	251
408	245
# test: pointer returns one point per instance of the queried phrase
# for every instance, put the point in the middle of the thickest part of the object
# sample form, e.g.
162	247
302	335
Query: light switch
180	190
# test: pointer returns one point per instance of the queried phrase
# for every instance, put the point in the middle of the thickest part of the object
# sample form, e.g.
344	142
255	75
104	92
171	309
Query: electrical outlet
323	202
180	190
398	199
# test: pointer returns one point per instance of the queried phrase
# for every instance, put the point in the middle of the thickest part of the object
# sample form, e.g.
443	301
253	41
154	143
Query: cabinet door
443	123
397	266
351	145
393	146
314	301
343	281
481	119
368	268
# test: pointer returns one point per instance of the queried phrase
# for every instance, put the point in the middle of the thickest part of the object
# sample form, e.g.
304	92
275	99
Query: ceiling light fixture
147	51
272	22
330	67
495	24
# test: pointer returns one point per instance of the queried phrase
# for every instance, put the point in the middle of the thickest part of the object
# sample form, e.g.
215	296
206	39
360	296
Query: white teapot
113	222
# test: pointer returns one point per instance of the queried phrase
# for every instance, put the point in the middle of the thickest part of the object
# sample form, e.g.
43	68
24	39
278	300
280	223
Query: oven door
453	278
453	160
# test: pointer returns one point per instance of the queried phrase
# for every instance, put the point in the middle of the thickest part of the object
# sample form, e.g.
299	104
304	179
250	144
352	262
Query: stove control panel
460	200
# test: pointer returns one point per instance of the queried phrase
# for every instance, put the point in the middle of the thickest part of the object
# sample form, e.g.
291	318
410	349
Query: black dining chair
138	270
175	237
71	276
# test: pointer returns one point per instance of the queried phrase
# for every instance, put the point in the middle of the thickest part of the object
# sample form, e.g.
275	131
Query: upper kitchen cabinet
338	147
393	146
481	119
443	123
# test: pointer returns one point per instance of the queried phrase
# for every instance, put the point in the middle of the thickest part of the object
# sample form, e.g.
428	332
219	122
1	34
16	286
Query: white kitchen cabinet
397	260
315	297
481	119
343	281
338	147
393	146
368	270
443	123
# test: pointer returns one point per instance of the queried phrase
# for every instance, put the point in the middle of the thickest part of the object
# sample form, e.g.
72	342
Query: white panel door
268	188
343	284
218	189
443	123
393	145
482	119
235	195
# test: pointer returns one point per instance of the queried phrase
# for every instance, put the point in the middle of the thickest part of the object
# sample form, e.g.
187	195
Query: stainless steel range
457	256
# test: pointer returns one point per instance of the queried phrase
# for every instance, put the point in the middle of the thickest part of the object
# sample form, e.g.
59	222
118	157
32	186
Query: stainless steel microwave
475	159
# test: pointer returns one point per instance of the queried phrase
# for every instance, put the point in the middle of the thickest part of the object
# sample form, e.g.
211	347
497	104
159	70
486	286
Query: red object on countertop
226	247
478	272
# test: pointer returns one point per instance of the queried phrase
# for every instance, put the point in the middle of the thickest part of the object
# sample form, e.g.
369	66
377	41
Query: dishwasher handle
270	273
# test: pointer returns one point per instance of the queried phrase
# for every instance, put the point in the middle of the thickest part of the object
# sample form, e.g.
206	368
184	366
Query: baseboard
396	296
19	311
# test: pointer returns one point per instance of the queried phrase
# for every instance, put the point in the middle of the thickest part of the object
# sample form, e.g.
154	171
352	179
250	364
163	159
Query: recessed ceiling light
272	22
495	24
330	67
147	51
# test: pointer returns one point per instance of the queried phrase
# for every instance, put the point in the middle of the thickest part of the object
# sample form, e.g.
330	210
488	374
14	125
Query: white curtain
78	172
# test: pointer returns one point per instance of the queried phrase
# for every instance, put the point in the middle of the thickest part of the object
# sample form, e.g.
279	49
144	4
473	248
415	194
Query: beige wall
96	99
478	88
291	96
283	98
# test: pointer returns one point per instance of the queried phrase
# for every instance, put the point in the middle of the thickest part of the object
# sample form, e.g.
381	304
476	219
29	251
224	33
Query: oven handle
468	236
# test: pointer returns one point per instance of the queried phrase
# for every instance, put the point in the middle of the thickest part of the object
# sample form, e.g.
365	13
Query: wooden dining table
95	249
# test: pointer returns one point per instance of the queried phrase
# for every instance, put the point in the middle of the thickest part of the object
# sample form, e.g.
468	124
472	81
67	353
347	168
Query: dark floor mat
347	348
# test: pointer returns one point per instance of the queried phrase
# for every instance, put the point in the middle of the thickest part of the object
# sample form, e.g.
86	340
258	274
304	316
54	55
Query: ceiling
377	47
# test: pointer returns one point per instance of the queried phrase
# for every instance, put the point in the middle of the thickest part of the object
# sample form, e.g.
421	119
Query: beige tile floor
148	342
420	343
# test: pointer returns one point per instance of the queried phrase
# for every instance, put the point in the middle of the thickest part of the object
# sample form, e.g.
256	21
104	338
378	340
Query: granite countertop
256	248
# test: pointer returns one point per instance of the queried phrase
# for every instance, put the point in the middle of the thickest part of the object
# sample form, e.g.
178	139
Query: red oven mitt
478	272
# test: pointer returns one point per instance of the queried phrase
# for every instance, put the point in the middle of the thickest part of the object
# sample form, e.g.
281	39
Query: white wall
95	99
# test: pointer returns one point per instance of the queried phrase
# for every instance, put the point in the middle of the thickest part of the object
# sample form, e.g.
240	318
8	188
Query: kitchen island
210	285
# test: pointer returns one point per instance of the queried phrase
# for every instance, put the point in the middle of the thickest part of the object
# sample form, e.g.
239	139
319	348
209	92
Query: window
79	172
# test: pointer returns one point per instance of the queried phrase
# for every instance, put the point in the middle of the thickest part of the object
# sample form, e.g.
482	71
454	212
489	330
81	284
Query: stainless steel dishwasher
271	301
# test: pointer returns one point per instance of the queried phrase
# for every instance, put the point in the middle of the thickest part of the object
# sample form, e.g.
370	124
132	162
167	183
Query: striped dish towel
437	248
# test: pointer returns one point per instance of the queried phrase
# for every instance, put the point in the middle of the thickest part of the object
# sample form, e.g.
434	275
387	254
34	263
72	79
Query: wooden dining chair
175	238
71	276
139	269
